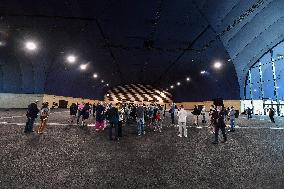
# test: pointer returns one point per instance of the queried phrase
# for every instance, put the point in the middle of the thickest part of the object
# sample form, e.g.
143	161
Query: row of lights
71	59
32	46
217	65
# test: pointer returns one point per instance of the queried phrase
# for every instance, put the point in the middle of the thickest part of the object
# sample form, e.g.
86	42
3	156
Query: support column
250	89
275	83
261	85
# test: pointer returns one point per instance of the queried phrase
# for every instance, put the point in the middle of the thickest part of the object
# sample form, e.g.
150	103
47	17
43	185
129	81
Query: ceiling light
2	43
203	72
102	81
107	84
83	66
187	79
107	94
31	46
217	65
95	75
172	86
178	83
71	58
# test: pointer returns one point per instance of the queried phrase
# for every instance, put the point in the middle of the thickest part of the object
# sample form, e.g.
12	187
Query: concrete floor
73	157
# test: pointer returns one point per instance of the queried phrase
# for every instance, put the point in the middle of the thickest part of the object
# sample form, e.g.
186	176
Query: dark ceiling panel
149	41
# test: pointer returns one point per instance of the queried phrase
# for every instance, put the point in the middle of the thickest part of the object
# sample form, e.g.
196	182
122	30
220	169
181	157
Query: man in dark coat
73	112
271	115
219	122
31	116
113	118
85	113
249	113
196	113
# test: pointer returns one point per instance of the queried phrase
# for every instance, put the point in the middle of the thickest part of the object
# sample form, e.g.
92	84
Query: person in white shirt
182	114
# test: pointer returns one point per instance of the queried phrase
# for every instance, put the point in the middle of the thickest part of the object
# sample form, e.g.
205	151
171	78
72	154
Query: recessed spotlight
172	86
107	84
95	75
217	65
203	72
107	94
83	66
178	83
71	58
31	46
2	43
102	81
187	79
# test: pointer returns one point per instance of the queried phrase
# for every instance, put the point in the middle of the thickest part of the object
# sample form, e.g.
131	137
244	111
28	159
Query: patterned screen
138	93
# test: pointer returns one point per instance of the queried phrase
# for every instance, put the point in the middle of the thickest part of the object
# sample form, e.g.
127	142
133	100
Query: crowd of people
106	115
114	116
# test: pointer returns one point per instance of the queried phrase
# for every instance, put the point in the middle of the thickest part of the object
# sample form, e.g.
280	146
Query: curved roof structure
155	42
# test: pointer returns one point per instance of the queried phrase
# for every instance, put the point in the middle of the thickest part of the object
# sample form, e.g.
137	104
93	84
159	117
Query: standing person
120	120
85	114
232	116
155	110
94	109
127	112
31	116
196	113
172	112
219	120
182	114
158	124
73	111
165	108
100	117
44	113
228	113
79	115
150	115
271	114
113	118
133	112
249	112
140	120
203	113
211	113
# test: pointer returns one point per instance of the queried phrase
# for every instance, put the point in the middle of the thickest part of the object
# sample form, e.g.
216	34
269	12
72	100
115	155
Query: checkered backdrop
138	93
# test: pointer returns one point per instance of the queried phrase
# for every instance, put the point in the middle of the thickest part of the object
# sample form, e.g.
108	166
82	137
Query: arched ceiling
155	42
252	27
